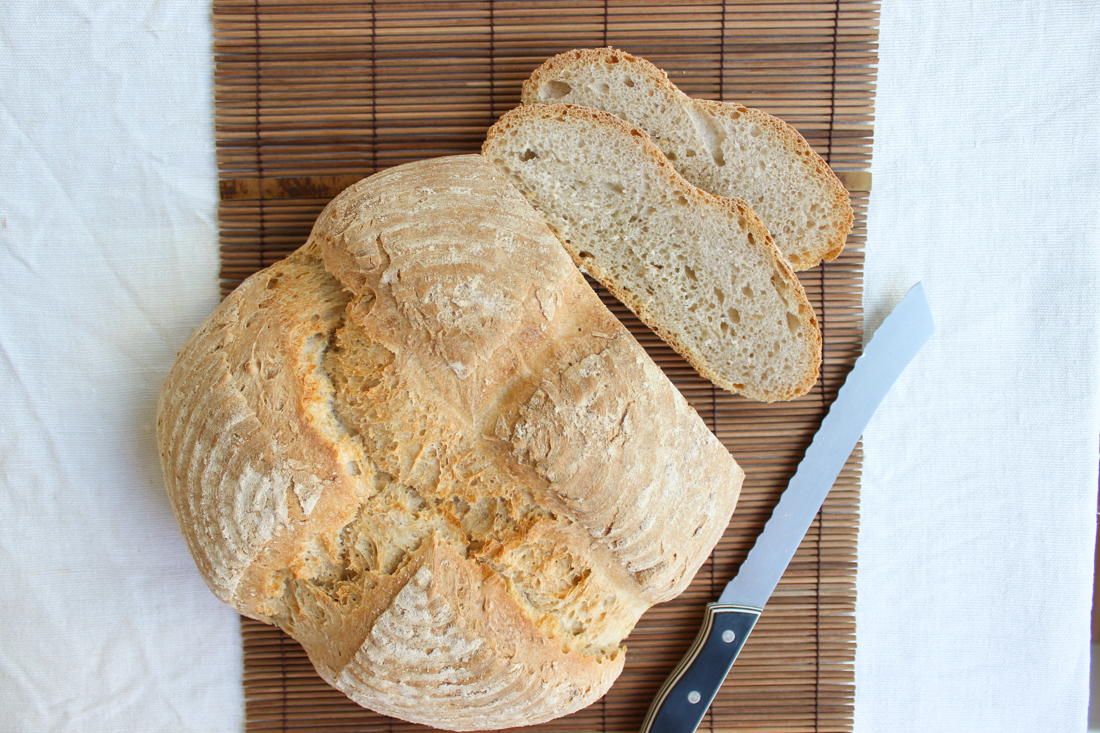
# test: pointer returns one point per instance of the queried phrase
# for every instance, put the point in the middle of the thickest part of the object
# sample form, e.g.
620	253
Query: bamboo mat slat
311	97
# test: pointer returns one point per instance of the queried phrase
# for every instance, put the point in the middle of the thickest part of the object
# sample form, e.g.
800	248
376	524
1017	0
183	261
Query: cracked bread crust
422	447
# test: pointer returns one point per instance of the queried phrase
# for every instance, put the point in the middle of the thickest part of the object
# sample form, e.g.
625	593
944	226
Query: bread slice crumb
700	270
721	147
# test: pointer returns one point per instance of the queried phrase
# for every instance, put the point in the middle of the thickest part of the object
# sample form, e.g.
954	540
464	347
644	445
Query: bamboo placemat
312	97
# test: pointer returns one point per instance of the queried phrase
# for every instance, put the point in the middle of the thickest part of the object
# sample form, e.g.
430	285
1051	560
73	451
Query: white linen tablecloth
978	509
108	261
980	470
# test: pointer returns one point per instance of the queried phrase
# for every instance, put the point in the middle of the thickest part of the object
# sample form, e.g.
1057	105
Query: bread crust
495	670
805	375
803	251
423	447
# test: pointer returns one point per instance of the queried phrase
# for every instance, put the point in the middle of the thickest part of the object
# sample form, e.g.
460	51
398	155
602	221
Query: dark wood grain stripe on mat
312	97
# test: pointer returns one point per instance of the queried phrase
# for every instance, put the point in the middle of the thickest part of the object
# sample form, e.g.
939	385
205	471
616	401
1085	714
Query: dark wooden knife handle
683	700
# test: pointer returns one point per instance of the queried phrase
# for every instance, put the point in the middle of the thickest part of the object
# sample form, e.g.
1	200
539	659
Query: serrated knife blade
683	700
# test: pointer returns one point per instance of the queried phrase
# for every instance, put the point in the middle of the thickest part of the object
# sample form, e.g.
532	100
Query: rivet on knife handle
683	700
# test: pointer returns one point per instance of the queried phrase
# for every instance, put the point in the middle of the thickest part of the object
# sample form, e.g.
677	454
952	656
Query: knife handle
683	700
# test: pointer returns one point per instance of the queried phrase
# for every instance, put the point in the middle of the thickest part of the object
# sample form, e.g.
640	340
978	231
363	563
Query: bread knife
686	695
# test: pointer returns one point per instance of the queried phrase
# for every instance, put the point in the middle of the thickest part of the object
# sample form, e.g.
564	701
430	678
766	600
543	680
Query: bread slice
700	270
724	148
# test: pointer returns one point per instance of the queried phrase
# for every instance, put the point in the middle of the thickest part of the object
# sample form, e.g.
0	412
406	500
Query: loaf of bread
698	269
724	148
423	447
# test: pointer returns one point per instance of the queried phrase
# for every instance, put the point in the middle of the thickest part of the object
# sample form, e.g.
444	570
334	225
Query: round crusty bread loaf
422	447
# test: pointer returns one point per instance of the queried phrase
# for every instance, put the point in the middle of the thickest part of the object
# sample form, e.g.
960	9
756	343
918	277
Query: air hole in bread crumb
690	274
690	154
781	288
600	87
613	59
755	131
272	283
682	200
352	468
528	154
734	315
628	81
584	255
793	323
611	187
747	290
554	90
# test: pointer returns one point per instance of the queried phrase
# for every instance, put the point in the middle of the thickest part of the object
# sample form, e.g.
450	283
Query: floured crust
484	663
722	147
242	461
423	447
